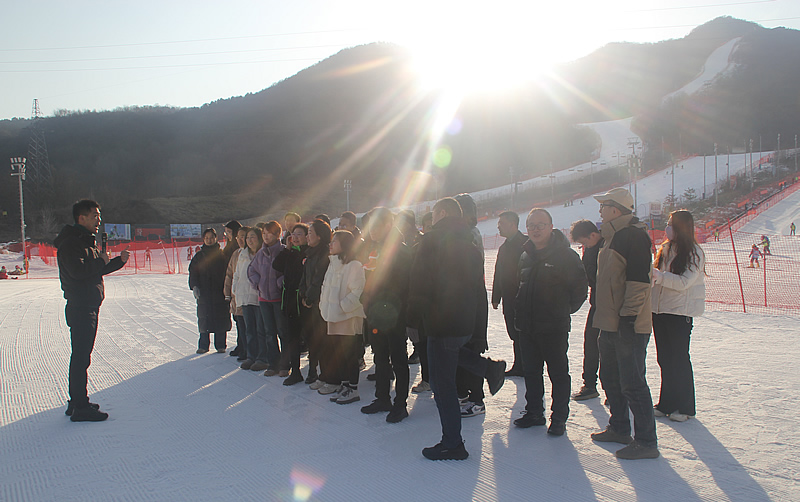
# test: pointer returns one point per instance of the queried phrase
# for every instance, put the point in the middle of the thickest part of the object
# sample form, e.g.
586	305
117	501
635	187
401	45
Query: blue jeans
622	373
443	359
274	325
253	325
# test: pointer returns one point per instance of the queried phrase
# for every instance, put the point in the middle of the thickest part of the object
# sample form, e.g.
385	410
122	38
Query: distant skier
792	229
765	243
755	254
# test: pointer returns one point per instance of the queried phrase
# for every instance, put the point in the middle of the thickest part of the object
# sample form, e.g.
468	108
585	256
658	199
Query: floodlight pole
348	187
18	164
716	178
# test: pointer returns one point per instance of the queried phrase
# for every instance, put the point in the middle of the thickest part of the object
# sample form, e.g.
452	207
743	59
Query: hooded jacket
683	294
624	268
341	291
244	293
552	286
262	276
80	267
447	281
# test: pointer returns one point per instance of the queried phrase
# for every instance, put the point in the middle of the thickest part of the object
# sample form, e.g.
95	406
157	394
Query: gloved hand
626	325
196	292
413	334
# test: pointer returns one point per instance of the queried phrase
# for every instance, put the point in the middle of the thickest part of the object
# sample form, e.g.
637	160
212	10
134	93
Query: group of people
293	287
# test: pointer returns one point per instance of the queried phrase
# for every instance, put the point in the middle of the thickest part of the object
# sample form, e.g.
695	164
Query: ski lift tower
39	174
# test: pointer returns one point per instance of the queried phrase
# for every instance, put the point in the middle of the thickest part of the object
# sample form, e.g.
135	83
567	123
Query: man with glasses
623	315
552	287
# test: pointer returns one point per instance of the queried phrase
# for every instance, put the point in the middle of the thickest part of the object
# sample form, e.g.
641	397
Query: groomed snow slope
189	427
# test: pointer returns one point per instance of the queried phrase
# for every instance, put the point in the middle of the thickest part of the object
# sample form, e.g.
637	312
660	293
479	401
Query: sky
99	55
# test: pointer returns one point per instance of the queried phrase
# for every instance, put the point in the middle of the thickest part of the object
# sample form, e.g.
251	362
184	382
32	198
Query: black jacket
314	267
385	296
552	286
207	272
290	263
506	282
80	267
447	282
589	259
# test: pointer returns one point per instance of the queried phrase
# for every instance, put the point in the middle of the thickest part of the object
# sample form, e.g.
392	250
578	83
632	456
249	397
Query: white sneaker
463	401
347	396
678	417
336	394
316	385
422	386
329	388
472	409
658	412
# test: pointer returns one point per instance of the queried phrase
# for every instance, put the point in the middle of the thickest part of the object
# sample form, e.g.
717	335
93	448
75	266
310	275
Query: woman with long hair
340	306
246	297
678	296
314	268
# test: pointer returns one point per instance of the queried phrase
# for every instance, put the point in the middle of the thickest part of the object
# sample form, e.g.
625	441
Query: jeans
591	351
82	321
622	373
551	348
241	334
274	326
253	328
390	355
220	340
672	333
443	356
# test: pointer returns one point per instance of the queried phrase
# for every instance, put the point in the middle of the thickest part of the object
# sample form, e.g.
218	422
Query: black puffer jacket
80	267
314	267
290	263
447	286
552	286
207	272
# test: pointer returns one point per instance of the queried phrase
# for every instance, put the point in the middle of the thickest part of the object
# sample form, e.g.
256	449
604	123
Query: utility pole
704	176
752	178
716	178
18	164
728	165
348	187
795	153
632	142
777	158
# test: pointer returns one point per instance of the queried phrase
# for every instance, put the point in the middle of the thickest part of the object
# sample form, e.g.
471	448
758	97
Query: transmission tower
38	168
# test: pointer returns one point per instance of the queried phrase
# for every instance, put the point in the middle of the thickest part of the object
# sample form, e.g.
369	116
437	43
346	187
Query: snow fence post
738	272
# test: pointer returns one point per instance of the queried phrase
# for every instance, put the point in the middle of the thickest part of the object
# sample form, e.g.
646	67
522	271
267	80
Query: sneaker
463	401
234	352
241	357
88	414
348	395
329	388
637	451
376	406
271	372
316	385
283	373
473	409
585	393
311	378
201	351
259	366
496	375
515	371
335	395
293	379
611	436
422	386
439	452
247	364
71	408
397	414
677	416
557	428
658	412
529	420
221	351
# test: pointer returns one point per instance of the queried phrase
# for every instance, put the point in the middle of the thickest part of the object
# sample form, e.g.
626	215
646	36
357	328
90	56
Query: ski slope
195	427
777	219
717	65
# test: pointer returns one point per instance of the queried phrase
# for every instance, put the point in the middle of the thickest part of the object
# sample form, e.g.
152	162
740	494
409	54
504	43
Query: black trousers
345	352
513	333
82	322
591	351
538	349
390	355
294	338
672	334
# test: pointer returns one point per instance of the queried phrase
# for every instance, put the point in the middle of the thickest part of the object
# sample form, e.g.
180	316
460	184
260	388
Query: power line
162	66
695	25
689	7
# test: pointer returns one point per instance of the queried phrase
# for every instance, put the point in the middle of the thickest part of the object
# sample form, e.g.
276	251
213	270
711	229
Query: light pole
18	164
704	176
348	187
777	158
752	178
795	153
716	178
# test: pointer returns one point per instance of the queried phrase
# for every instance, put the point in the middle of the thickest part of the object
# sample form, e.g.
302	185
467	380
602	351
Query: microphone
104	239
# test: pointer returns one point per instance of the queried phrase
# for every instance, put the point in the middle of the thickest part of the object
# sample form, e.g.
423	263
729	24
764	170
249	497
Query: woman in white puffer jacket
340	306
678	296
246	296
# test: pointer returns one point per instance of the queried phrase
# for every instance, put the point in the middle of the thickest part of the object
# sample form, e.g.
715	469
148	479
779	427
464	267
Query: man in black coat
506	282
207	280
552	287
588	236
81	267
445	294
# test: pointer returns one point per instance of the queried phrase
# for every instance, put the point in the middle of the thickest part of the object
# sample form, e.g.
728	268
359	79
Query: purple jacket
262	276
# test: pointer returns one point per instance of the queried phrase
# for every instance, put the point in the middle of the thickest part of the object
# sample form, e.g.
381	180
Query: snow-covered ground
717	65
778	219
195	427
